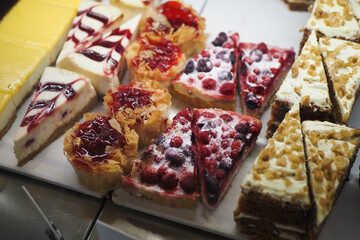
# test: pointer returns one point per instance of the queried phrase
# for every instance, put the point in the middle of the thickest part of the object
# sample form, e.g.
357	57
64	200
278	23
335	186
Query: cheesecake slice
61	97
91	21
342	63
331	151
103	61
7	112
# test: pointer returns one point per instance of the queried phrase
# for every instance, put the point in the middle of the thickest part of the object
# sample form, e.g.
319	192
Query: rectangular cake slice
331	151
305	83
274	201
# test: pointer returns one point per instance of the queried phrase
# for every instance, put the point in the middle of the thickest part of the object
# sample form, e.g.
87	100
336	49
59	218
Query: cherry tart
167	173
101	151
223	140
178	22
209	78
151	57
143	106
262	68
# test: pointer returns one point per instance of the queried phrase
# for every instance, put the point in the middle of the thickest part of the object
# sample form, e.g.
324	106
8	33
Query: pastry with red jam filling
167	173
101	151
209	79
223	140
262	68
143	106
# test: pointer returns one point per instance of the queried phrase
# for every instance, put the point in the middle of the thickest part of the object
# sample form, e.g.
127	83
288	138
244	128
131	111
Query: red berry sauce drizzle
95	136
45	108
221	139
173	168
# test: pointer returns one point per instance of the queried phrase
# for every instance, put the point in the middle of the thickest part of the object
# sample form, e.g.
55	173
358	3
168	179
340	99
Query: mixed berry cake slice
167	173
209	79
341	59
101	151
331	151
62	96
223	140
179	22
103	60
143	106
261	72
155	58
91	21
305	83
274	202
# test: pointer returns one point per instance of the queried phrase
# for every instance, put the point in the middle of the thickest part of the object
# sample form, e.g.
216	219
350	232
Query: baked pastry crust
143	106
101	170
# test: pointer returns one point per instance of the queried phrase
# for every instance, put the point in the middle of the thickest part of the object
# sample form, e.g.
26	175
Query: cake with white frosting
275	200
305	83
342	63
60	98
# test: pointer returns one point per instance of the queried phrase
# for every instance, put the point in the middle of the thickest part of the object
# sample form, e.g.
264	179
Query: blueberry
220	39
243	69
242	127
204	65
212	184
225	76
226	164
252	102
256	54
210	125
232	57
176	158
223	56
190	66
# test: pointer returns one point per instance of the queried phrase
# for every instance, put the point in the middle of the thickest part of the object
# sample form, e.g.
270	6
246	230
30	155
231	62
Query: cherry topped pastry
101	151
167	172
223	140
143	106
262	68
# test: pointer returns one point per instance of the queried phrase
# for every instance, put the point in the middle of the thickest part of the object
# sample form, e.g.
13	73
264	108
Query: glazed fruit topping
220	39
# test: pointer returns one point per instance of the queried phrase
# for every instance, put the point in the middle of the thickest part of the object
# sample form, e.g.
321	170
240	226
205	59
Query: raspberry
169	181
277	55
256	71
205	54
204	137
232	134
252	78
208	115
176	142
161	171
262	46
209	84
188	182
248	60
220	174
214	148
149	175
226	117
227	89
235	145
204	151
224	144
218	156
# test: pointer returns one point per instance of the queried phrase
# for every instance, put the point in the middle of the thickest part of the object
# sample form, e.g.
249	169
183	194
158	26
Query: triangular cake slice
223	140
342	63
209	79
275	201
91	21
333	18
103	60
167	173
331	151
305	83
261	70
61	97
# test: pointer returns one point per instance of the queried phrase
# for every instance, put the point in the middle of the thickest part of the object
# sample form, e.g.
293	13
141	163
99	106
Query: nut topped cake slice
342	63
333	18
167	172
209	79
305	83
275	201
331	151
102	61
60	98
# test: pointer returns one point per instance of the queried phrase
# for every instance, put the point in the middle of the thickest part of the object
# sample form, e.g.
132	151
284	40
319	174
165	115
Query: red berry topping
276	55
226	117
274	70
161	171
205	54
227	89
204	137
201	76
232	134
208	115
235	145
218	156
204	151
169	181
214	148
252	78
224	144
248	60
176	142
220	174
149	175
256	71
209	84
262	46
188	182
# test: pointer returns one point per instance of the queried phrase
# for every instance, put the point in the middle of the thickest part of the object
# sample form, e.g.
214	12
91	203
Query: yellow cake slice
331	151
73	4
7	112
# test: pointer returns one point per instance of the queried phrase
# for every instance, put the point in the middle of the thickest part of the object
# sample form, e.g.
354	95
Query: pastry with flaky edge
274	202
155	58
331	151
101	151
143	106
179	23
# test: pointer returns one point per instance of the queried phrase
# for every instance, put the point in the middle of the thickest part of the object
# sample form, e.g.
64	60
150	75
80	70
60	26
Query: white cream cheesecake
60	98
102	61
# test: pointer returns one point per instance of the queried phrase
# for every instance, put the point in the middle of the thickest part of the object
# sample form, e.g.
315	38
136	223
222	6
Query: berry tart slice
261	73
144	106
167	172
101	151
156	58
62	96
223	140
179	22
209	79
